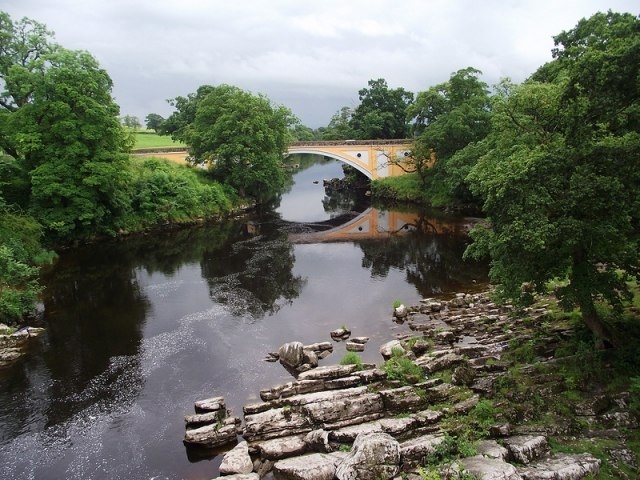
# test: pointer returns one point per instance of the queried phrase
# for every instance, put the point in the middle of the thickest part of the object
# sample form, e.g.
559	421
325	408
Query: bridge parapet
335	143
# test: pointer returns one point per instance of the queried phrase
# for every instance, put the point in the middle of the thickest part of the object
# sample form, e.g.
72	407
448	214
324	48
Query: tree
561	174
447	118
61	126
153	121
131	121
242	136
339	127
382	112
179	122
302	133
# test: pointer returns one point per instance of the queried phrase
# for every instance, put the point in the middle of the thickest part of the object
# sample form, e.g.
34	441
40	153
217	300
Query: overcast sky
312	57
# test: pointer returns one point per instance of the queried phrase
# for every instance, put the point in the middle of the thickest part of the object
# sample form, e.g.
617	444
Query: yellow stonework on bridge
374	158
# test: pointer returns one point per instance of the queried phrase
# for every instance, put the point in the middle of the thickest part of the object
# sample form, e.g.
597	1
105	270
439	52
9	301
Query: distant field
150	139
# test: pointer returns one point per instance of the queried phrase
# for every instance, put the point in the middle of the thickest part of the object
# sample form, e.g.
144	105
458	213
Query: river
138	329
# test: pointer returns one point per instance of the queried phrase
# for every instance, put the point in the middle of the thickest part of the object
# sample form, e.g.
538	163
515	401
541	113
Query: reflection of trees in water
432	262
255	277
339	202
95	311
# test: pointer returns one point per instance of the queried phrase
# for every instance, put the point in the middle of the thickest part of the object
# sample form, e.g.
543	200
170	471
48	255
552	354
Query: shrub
351	358
402	369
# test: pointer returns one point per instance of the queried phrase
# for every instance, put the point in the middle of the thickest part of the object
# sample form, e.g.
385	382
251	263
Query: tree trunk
596	325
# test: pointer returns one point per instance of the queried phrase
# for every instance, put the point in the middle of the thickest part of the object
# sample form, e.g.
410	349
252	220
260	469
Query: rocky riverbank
14	343
450	400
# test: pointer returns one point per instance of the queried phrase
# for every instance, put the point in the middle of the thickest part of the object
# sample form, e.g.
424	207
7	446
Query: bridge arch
374	158
336	156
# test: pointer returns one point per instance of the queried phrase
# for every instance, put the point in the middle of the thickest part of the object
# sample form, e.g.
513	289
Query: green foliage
302	133
242	136
339	127
20	255
560	172
154	122
163	191
351	358
451	448
148	139
448	119
403	188
60	124
402	369
381	113
483	415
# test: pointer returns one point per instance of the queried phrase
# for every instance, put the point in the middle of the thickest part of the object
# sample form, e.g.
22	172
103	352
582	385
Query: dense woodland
552	163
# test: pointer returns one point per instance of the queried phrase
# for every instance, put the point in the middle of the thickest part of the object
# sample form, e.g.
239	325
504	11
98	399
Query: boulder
400	312
200	419
413	451
463	375
402	399
344	410
443	362
328	373
277	422
213	404
314	466
237	460
354	347
374	456
309	357
284	447
490	468
386	350
215	435
562	467
318	441
291	354
340	334
492	449
526	448
242	476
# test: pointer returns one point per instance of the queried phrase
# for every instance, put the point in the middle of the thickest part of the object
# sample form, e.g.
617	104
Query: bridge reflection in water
379	224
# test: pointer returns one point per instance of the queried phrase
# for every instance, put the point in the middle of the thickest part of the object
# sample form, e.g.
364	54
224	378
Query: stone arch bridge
374	158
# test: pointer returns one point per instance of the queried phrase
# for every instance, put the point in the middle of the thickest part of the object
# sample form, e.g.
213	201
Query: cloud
312	57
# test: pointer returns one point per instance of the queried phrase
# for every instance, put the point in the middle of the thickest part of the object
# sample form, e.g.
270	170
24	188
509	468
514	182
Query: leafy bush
164	192
20	255
402	369
351	358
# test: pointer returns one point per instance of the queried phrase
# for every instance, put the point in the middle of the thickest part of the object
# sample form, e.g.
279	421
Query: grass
352	358
403	188
150	139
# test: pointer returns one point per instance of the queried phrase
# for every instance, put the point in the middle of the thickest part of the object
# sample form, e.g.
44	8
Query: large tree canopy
448	119
382	112
242	136
561	173
60	125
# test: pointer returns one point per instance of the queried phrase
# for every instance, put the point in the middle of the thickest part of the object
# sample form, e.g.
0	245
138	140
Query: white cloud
312	57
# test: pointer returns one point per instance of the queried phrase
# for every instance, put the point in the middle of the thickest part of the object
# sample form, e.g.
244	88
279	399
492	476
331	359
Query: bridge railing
336	143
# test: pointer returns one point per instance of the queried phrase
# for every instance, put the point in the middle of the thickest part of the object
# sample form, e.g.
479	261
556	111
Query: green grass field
150	139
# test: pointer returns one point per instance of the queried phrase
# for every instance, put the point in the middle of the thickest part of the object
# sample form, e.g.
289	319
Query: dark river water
139	329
